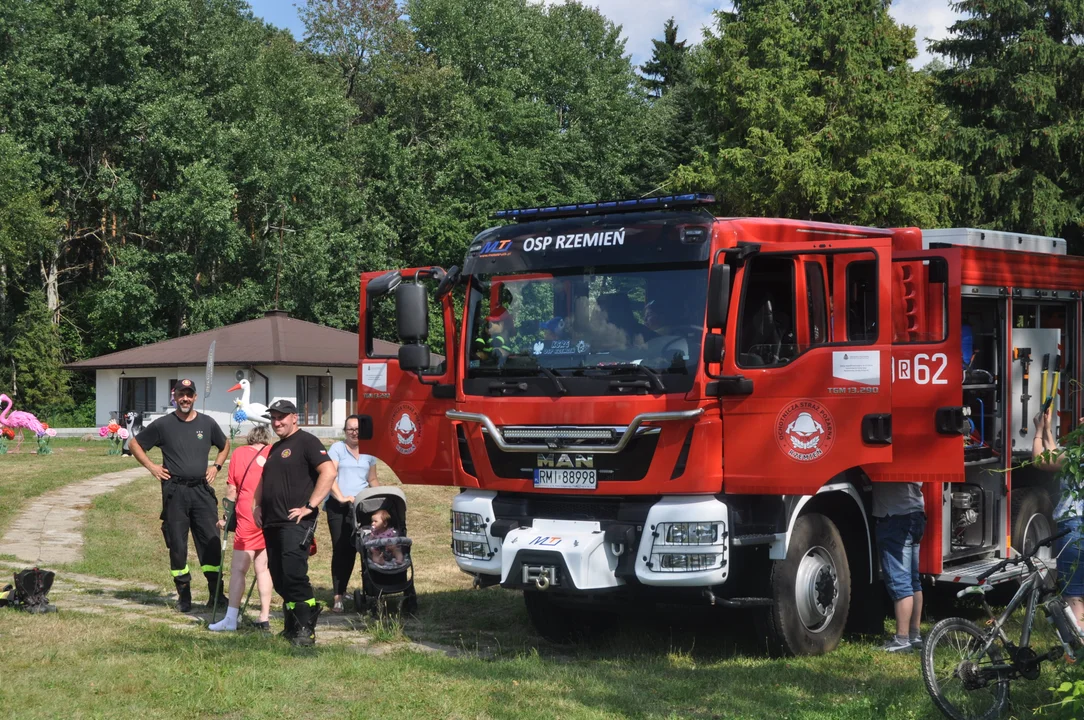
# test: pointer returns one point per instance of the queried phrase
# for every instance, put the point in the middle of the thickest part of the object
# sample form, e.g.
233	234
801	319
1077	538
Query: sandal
337	607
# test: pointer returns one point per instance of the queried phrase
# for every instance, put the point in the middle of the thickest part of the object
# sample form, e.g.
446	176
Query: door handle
952	420
877	429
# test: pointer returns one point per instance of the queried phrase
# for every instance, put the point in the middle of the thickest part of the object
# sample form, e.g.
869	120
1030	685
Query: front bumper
683	542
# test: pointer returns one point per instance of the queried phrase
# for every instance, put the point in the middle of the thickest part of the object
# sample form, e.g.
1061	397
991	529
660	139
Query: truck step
968	573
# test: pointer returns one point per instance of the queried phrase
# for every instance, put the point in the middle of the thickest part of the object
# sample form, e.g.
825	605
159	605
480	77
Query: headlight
466	548
685	533
469	523
685	562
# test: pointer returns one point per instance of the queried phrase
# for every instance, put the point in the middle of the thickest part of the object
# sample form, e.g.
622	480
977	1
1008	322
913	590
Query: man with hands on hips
188	500
296	479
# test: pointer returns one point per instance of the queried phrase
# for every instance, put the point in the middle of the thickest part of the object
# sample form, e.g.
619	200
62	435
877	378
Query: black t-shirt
289	477
185	445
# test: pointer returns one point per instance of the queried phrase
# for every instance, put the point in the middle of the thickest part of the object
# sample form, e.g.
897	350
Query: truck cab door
402	412
811	331
927	369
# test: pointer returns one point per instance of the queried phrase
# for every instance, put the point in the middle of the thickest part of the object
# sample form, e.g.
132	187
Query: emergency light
603	208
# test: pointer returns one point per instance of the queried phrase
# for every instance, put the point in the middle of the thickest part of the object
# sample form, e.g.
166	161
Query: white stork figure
254	412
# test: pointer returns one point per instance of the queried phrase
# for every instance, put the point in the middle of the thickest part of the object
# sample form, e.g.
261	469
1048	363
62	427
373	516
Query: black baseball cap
283	406
184	386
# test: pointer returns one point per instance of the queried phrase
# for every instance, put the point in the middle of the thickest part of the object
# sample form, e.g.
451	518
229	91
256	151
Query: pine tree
1015	85
41	382
666	68
818	115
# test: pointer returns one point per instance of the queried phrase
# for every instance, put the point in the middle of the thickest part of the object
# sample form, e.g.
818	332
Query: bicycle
961	658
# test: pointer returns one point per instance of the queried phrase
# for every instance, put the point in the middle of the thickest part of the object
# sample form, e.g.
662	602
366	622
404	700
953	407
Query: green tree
1015	85
41	383
666	68
819	116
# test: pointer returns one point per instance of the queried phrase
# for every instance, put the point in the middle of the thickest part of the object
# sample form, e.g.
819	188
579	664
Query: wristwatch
310	507
217	466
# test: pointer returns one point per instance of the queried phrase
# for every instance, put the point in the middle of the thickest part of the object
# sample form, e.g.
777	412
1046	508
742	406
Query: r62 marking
923	369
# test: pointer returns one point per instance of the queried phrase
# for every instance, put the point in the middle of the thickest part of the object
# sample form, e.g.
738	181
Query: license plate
566	479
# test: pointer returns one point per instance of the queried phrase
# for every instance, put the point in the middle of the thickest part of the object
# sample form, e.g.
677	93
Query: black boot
213	585
306	624
184	597
289	621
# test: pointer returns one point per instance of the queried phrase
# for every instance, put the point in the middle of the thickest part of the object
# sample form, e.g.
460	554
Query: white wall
219	404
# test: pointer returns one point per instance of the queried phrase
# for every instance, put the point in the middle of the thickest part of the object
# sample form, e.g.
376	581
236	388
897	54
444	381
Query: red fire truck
642	401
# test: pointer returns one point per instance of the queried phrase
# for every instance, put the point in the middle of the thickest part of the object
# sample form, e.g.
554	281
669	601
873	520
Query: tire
942	661
360	602
811	591
1032	520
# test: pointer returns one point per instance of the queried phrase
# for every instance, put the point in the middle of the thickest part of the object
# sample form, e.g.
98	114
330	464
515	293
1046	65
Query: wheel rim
1038	528
816	589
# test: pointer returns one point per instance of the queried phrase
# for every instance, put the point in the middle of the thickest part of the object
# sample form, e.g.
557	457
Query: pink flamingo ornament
18	420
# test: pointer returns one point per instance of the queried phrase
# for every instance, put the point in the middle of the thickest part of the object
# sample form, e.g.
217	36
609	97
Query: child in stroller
380	536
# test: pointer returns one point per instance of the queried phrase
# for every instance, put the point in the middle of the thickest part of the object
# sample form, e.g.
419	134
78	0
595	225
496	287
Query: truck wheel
811	590
1032	520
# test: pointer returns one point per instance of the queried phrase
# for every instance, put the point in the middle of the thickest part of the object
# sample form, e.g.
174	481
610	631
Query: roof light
609	206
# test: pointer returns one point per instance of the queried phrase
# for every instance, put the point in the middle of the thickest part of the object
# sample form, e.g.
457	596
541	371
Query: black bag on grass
30	591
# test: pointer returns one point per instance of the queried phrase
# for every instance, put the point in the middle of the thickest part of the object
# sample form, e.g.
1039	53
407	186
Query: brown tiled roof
274	339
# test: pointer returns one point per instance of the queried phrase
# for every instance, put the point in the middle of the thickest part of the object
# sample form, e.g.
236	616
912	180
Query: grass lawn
26	475
660	663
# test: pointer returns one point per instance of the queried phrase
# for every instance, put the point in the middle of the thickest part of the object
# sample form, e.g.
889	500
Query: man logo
564	460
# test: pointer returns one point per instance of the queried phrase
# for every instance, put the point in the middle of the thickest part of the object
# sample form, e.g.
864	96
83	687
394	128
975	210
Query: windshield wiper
652	373
537	369
552	376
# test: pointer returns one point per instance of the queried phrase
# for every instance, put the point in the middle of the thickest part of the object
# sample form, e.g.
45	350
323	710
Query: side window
818	309
921	316
766	336
862	301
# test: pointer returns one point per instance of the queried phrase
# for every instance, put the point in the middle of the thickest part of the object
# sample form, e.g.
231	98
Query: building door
314	399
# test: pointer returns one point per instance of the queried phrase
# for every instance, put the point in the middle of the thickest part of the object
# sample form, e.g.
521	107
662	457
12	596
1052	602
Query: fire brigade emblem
805	430
407	428
286	453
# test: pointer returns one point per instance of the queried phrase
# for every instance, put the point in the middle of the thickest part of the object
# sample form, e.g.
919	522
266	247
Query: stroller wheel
359	601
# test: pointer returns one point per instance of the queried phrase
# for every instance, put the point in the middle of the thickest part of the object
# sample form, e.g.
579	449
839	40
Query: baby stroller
395	575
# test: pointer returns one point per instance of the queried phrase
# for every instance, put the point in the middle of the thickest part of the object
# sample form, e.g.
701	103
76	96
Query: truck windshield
588	322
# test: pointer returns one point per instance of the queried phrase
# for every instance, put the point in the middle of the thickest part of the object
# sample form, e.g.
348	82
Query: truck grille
630	464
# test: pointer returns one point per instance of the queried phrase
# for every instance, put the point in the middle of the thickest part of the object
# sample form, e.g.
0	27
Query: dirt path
50	530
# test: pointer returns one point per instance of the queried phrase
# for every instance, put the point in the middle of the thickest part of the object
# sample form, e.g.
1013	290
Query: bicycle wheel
952	669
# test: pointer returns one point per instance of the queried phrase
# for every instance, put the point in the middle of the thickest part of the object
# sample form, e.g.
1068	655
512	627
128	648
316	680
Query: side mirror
412	312
414	358
412	321
713	348
718	296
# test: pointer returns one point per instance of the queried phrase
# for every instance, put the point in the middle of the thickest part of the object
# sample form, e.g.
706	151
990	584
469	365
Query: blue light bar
610	206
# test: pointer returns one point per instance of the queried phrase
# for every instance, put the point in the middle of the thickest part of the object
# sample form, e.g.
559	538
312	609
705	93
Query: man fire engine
693	409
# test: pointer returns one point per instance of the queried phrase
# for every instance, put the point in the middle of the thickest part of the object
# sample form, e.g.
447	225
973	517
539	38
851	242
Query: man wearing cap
296	479
188	500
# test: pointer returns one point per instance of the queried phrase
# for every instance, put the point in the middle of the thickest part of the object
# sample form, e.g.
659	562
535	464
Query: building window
351	397
314	400
137	394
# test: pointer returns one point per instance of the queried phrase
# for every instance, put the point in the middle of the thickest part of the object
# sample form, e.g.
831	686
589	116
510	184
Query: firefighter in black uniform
188	500
296	479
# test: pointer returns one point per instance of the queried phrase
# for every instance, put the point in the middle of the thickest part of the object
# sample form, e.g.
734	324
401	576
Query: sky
642	20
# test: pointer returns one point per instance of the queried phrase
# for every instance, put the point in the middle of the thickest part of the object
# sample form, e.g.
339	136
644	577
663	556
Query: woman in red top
246	471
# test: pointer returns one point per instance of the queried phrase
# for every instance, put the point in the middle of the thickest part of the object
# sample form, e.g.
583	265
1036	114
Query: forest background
167	166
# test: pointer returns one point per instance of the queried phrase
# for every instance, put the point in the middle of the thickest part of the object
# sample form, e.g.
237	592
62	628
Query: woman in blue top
355	472
1069	514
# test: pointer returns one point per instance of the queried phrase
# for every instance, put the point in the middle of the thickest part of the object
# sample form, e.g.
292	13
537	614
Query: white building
314	366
